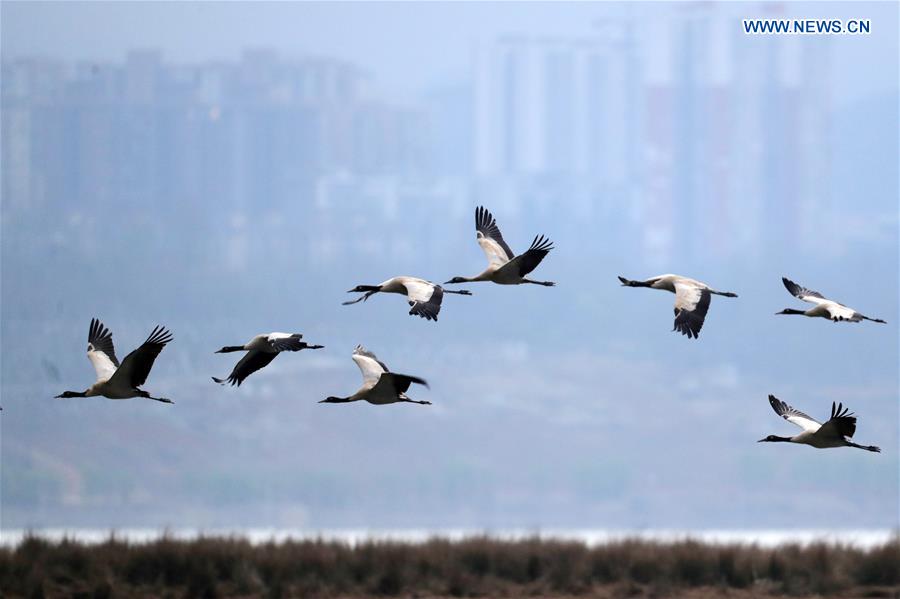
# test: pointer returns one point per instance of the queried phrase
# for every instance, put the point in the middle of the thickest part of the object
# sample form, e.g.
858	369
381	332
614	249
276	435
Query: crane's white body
822	306
380	386
372	371
671	283
501	269
814	436
120	381
423	297
267	343
504	267
414	288
501	274
692	298
832	311
836	432
111	390
112	382
261	350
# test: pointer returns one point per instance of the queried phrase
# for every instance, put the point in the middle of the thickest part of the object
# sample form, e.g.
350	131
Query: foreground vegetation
481	566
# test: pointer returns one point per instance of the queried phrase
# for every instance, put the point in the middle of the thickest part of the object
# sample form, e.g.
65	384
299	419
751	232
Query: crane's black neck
777	439
630	283
333	399
230	348
791	311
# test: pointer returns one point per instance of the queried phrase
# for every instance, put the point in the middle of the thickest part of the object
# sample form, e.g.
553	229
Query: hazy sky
572	406
408	46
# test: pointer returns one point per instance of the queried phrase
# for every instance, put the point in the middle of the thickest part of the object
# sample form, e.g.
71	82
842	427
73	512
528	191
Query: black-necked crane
424	297
824	307
380	385
834	433
115	381
261	350
504	267
691	300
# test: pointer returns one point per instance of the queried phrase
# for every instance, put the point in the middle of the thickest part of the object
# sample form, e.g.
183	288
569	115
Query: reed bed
474	567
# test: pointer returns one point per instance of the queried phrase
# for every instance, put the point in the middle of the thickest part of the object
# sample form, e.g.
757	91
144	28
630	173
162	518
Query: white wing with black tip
371	367
691	305
424	298
794	415
490	239
802	293
101	351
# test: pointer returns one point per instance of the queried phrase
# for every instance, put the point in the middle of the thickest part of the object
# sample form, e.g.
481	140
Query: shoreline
768	538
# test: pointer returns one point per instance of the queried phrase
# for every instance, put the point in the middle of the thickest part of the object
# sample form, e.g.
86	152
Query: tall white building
552	106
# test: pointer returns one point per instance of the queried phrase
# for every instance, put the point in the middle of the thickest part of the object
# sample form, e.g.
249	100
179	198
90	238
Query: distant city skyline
591	114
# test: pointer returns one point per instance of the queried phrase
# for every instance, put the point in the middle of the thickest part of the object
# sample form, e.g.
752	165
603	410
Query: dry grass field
476	567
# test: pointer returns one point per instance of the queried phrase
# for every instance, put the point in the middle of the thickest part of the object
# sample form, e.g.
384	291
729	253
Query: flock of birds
380	386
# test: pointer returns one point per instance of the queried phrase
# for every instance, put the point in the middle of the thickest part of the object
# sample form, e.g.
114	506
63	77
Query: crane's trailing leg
871	448
873	319
162	399
407	400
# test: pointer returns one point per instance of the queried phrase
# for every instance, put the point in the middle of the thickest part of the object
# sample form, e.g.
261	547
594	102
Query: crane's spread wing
802	293
691	305
489	238
101	351
285	342
841	424
528	261
136	365
794	415
424	298
370	366
250	363
395	384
